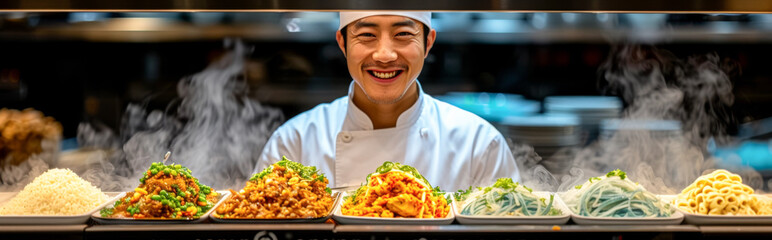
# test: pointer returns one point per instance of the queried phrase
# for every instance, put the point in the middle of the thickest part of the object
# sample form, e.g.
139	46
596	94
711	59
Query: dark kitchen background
87	67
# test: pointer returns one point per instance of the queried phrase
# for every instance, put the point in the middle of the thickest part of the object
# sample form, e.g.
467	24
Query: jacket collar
357	120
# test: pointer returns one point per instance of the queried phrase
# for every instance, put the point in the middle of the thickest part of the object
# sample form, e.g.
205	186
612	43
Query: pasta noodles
721	193
765	205
396	191
505	198
614	195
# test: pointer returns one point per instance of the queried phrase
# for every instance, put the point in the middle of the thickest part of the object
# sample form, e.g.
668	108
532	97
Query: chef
387	116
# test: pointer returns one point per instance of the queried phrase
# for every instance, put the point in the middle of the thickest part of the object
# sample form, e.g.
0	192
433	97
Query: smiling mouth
385	75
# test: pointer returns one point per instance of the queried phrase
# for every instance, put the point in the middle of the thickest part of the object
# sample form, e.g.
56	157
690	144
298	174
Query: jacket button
346	137
424	132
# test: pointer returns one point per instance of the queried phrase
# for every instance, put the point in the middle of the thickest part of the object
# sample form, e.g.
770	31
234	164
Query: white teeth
385	75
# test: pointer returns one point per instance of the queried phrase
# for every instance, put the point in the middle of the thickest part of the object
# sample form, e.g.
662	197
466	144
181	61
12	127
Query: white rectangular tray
676	218
700	219
530	220
346	219
46	219
336	197
122	220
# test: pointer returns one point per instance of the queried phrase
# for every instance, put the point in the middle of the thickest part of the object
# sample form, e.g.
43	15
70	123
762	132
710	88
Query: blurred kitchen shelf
287	94
160	30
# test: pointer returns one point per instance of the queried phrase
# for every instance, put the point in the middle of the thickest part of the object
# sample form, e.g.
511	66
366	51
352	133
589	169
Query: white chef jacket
450	147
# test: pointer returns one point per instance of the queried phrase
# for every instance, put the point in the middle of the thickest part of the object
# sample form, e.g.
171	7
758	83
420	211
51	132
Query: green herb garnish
106	212
622	175
305	172
461	195
594	178
392	166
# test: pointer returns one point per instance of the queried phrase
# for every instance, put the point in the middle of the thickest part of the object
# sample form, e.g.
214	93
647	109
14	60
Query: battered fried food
21	134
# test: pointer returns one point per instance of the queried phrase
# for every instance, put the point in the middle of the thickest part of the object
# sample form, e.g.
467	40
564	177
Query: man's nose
385	52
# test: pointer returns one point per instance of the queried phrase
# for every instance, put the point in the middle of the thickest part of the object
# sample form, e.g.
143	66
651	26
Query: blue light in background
755	154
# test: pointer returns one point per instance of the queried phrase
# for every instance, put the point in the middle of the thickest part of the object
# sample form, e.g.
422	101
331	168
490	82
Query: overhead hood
612	6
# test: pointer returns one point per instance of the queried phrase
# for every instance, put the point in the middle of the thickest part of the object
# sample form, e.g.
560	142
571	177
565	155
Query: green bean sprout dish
505	198
615	195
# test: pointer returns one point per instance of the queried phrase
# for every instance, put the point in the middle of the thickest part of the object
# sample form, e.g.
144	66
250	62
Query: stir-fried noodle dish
396	191
505	198
165	191
614	195
721	193
284	190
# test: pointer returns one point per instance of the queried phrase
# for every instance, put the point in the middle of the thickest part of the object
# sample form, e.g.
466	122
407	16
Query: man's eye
405	34
366	35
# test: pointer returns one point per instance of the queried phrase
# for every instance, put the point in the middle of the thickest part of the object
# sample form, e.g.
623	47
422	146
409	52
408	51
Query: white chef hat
349	17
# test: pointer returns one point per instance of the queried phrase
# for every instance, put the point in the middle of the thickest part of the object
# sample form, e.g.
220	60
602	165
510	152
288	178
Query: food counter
43	231
141	215
330	231
211	230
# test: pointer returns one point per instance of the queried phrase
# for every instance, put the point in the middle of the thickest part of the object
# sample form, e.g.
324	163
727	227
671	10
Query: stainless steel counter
736	229
511	228
42	228
42	231
211	231
520	231
210	227
330	231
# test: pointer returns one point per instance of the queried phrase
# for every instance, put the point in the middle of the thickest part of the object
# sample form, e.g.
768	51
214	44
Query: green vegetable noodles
505	198
614	195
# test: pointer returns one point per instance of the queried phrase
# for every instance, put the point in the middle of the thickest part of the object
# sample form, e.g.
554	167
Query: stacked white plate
660	129
590	110
547	135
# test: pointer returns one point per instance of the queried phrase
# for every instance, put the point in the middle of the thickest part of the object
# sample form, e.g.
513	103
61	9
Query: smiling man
387	116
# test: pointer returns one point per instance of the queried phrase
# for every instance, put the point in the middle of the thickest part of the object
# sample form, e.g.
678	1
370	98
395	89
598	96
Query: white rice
55	192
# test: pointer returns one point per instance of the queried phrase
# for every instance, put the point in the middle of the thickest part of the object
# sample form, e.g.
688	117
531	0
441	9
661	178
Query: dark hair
345	39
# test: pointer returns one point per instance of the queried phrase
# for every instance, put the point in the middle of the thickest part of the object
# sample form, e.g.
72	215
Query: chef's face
385	54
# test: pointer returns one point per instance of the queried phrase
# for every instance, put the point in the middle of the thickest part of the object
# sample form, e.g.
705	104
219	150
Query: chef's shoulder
324	117
295	137
452	118
491	156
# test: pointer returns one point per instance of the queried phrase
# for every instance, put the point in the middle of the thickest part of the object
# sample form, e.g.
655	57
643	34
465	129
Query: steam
217	130
14	178
656	86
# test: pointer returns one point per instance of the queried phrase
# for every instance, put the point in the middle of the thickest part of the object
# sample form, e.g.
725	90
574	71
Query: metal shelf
703	6
175	32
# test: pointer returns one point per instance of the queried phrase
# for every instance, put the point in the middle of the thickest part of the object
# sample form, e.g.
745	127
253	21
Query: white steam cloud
217	130
655	86
15	177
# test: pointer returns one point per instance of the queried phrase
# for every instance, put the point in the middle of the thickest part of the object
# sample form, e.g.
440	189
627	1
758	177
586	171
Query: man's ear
341	42
430	41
